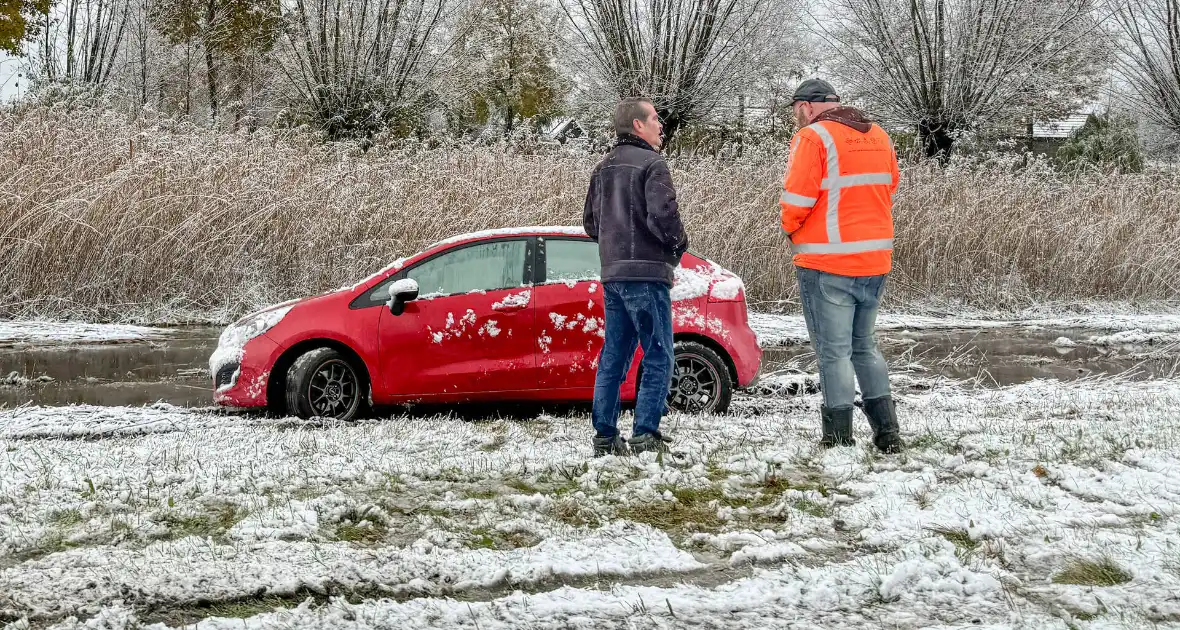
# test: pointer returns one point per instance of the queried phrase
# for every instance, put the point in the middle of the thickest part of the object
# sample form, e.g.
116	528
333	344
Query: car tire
699	371
323	383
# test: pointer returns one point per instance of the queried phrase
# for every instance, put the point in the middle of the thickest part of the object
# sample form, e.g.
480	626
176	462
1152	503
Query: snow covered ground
1045	505
43	332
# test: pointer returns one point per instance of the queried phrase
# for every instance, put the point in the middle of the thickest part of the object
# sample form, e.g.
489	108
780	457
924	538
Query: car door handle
508	308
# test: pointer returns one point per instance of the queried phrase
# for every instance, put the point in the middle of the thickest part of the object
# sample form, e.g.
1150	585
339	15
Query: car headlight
251	326
231	346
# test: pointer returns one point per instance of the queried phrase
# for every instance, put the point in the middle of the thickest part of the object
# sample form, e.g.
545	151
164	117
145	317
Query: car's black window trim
528	274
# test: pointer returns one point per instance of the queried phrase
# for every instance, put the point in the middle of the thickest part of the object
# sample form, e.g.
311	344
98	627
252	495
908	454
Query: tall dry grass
158	221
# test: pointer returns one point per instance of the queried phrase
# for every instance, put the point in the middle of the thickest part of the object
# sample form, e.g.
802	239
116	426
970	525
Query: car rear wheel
324	383
701	382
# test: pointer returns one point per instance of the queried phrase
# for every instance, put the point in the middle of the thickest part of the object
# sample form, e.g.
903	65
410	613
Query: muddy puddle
174	370
1001	356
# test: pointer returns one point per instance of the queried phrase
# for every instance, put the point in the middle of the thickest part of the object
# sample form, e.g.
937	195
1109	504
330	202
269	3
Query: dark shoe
650	442
610	446
837	425
882	413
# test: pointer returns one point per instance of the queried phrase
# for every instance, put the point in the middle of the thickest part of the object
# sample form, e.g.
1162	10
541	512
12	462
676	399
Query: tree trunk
210	67
936	140
672	123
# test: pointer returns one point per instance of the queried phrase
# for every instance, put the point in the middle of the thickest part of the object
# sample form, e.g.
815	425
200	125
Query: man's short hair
627	112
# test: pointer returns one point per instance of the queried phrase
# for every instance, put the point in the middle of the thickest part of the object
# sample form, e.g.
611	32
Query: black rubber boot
882	413
610	446
837	426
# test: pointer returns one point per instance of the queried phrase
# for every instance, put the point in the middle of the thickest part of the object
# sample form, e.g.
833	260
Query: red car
502	315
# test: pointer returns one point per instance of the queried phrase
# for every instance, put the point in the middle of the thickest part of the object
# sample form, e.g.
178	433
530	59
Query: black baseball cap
815	91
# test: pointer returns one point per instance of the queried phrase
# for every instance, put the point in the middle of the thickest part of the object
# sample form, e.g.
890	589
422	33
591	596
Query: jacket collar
633	140
848	116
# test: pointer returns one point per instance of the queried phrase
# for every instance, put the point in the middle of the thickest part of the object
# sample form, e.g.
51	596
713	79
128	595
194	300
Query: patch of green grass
521	485
807	506
695	509
489	538
64	518
693	496
926	440
776	484
481	540
205	525
370	533
480	493
53	541
1101	572
959	537
246	609
715	472
574	513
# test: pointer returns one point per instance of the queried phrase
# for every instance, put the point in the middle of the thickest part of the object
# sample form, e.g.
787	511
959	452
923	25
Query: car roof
537	230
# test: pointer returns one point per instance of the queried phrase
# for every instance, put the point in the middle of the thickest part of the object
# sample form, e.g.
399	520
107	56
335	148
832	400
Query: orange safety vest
837	201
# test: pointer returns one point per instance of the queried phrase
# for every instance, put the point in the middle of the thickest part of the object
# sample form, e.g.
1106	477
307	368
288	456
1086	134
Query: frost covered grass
1044	505
107	220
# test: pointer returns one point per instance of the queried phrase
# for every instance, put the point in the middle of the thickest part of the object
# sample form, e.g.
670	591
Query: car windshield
488	266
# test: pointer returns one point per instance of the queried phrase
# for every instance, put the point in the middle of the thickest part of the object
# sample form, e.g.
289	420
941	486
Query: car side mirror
401	292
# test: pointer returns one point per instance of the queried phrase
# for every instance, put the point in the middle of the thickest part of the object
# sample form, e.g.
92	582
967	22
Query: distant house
564	129
1045	137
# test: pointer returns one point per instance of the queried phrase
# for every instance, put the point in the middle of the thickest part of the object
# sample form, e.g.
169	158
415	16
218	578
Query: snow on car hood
707	279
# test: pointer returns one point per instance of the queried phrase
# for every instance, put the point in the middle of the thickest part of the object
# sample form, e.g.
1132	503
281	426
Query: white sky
9	67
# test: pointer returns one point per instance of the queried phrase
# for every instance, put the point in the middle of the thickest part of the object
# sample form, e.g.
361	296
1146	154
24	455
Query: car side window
569	260
484	267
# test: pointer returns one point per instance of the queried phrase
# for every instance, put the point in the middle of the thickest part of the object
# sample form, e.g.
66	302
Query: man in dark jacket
631	211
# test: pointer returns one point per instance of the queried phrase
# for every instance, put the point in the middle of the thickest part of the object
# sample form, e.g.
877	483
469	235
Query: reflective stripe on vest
850	247
833	217
833	183
798	200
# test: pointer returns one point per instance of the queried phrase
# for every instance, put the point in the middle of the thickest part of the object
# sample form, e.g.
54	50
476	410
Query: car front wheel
324	383
701	382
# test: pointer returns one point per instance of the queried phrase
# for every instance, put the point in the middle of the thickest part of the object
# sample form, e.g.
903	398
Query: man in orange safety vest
836	208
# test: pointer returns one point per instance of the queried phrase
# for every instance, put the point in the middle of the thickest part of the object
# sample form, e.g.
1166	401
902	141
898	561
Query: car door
471	332
569	311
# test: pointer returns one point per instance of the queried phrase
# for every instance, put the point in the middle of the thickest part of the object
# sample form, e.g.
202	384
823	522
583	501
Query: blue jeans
841	316
637	313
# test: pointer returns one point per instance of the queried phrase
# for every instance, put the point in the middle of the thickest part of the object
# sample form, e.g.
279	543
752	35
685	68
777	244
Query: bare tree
1148	38
355	65
949	65
80	41
685	55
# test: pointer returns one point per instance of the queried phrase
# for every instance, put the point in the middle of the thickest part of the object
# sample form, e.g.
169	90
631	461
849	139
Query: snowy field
1039	506
1042	505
